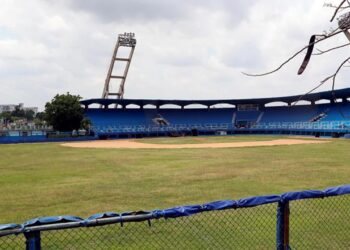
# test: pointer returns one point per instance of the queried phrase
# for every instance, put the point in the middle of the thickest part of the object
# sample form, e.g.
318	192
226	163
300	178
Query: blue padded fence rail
31	229
64	222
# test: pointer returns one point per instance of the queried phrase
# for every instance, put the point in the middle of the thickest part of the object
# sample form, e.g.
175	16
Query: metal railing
159	128
336	126
323	125
302	220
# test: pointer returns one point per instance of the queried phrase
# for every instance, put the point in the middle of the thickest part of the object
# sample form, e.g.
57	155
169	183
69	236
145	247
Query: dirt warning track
140	145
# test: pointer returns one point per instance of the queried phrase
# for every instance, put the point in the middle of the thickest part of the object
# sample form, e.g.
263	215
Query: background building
12	107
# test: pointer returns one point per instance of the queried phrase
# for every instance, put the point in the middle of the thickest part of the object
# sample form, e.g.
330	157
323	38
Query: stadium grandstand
324	114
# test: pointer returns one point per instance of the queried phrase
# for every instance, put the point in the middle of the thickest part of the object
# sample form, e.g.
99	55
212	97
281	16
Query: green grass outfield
47	179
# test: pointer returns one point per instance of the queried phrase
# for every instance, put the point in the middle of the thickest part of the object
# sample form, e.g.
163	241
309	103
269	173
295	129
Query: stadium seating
337	112
290	113
303	117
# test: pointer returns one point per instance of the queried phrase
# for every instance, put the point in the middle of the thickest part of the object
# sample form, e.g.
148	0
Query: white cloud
189	49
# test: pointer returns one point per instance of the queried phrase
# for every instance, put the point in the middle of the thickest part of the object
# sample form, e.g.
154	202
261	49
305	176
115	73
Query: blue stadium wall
42	137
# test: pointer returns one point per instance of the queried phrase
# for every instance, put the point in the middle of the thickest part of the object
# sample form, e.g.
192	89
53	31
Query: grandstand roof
325	95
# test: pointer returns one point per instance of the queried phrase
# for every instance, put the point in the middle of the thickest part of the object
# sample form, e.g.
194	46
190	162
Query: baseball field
47	179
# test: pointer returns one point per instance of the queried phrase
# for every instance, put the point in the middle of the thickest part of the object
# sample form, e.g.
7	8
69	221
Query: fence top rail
64	222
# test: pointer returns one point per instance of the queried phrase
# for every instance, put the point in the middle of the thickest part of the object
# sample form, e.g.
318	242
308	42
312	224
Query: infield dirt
134	144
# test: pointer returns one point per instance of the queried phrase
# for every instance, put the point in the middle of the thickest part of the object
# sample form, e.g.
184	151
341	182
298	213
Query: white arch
276	104
195	106
132	106
323	101
170	106
149	106
301	102
94	106
222	105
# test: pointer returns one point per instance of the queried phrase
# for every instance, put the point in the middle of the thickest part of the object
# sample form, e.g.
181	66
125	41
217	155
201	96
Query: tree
64	112
6	116
40	116
29	115
86	124
39	119
18	112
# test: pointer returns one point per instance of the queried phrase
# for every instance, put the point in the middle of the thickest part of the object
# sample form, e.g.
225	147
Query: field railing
326	125
309	219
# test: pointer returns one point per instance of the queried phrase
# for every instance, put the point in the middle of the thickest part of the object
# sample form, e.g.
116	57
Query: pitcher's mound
139	145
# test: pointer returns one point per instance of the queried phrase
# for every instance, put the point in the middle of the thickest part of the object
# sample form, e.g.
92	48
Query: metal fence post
282	226
33	241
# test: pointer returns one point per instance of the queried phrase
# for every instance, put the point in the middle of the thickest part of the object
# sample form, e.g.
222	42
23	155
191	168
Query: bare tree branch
324	37
343	27
333	87
333	76
337	9
337	71
312	90
330	5
328	50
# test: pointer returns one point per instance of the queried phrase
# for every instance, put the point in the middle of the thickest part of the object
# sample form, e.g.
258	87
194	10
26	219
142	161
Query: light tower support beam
124	40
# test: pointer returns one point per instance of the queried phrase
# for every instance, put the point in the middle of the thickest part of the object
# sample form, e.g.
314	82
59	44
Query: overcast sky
185	49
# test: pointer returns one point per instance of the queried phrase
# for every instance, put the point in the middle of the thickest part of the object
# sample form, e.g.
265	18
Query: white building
8	107
12	107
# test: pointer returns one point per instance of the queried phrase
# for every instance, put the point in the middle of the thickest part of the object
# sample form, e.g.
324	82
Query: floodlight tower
124	40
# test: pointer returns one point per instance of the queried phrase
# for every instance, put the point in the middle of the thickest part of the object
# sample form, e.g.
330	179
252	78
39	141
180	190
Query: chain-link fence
320	223
239	229
13	241
300	220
